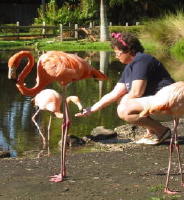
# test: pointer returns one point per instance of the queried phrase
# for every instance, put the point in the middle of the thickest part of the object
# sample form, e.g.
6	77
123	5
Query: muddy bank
129	172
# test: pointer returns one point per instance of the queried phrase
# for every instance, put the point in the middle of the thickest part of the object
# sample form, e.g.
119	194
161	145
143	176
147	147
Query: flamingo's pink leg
176	121
48	136
171	147
174	143
65	128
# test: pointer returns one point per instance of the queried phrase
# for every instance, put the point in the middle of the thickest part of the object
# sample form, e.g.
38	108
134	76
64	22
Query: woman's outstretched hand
85	112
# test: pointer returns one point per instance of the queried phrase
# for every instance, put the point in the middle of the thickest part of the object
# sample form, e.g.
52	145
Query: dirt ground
133	173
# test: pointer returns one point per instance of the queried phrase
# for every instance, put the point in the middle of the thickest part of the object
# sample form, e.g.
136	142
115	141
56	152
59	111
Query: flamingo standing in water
53	66
170	101
50	100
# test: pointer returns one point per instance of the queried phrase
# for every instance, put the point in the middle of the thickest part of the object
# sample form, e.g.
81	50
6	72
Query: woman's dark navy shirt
146	67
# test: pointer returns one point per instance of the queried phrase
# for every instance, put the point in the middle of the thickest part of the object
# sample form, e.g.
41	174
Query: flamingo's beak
12	73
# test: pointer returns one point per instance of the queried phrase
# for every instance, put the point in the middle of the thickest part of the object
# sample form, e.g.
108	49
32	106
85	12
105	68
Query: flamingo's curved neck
30	91
27	69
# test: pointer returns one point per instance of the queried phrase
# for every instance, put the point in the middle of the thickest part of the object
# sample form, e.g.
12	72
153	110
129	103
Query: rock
4	154
136	132
73	140
101	133
129	131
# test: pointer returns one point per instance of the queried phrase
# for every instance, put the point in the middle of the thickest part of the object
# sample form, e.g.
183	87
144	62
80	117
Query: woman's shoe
153	139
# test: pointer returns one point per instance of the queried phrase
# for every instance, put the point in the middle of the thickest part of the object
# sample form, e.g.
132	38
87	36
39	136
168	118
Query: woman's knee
128	110
122	111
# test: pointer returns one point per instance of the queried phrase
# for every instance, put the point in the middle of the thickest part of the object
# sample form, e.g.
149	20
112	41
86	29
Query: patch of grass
153	47
156	188
74	45
14	44
52	44
157	198
167	30
166	197
160	188
133	29
177	50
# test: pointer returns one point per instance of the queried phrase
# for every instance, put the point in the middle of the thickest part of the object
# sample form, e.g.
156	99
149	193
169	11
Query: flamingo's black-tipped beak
12	73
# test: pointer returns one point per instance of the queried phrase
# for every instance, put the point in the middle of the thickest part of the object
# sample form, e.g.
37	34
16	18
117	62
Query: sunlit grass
74	45
167	30
52	44
14	44
177	50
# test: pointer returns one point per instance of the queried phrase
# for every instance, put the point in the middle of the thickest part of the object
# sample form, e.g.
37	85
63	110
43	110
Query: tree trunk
43	7
104	31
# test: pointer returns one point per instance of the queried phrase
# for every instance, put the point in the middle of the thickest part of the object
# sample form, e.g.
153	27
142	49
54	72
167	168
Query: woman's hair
126	42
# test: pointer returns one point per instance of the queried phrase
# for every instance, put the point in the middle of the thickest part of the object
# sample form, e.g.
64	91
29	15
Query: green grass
159	188
177	50
52	44
167	30
74	45
13	44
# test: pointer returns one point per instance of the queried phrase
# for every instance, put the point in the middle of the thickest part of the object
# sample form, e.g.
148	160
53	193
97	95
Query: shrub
167	30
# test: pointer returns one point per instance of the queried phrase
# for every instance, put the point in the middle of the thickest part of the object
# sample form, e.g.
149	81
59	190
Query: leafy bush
50	16
66	14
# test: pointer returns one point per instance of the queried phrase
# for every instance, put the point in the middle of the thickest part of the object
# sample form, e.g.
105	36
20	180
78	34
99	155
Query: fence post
43	29
61	31
91	25
76	31
18	30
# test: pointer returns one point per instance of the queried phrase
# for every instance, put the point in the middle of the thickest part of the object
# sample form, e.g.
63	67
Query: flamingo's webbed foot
171	192
56	178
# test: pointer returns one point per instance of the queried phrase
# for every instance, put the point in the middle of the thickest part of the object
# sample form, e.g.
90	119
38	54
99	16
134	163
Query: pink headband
119	38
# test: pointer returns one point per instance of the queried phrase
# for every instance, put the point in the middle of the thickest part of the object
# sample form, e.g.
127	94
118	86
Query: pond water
18	134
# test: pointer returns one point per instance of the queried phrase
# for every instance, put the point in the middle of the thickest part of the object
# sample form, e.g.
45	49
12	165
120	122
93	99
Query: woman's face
123	57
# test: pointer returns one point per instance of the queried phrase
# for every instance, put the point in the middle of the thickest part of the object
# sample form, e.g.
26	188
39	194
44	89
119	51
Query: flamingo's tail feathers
160	108
99	75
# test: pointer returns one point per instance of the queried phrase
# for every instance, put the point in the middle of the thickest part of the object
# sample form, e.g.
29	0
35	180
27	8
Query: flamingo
170	101
50	100
53	66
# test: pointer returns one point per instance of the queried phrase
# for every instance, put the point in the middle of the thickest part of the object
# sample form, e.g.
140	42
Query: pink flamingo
51	100
170	101
53	66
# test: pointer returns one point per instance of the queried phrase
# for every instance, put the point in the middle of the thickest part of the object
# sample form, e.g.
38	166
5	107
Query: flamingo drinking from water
50	100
